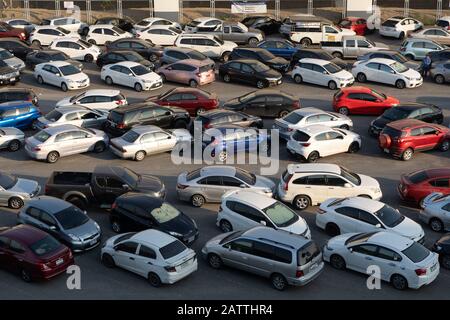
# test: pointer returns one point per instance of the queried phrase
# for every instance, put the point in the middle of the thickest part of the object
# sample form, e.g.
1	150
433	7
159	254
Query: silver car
15	191
210	183
11	138
76	115
52	143
144	140
11	60
283	257
440	72
62	220
436	211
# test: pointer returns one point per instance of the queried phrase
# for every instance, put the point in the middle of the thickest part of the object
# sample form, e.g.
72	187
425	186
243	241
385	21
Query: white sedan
387	71
160	35
101	99
44	35
436	211
100	34
317	141
154	21
61	74
358	214
77	49
322	72
131	74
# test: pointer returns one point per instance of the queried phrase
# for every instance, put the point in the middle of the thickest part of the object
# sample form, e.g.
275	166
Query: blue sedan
279	48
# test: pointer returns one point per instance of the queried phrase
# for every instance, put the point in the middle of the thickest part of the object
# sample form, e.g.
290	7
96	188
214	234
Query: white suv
399	27
209	45
311	184
77	49
67	23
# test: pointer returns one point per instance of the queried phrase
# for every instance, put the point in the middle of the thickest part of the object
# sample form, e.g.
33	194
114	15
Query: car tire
278	281
409	56
154	280
77	202
301	202
214	261
198	200
40	80
407	154
313	156
354	147
226	78
14	145
332	85
64	87
99	147
306	42
361	77
193	84
15	203
25	276
163	77
225	56
439	79
260	84
337	262
36	43
88	58
138	87
108	261
337	55
344	126
153	57
436	225
332	229
180	124
344	111
199	111
399	282
140	155
283	113
298	79
52	157
225	226
444	146
252	41
116	226
400	84
445	261
92	41
109	81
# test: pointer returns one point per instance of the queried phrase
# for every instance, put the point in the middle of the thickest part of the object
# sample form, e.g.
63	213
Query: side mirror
130	74
126	187
85	212
58	74
168	113
263	223
115	248
347	185
53	228
242	186
378	225
324	72
351	250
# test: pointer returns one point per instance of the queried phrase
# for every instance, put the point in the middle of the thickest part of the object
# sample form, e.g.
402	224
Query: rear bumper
308	278
120	154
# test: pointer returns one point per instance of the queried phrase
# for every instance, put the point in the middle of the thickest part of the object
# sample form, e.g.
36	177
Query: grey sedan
436	212
52	143
209	184
77	115
11	138
440	72
62	220
15	191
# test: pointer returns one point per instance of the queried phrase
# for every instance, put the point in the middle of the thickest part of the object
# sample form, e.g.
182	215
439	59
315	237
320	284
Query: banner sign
248	7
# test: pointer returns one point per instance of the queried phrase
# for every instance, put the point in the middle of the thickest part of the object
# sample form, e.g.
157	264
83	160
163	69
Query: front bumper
12	80
414	83
78	84
86	245
152	86
345	83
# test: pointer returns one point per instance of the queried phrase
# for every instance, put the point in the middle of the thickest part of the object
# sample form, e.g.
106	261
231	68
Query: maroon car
6	31
194	100
32	253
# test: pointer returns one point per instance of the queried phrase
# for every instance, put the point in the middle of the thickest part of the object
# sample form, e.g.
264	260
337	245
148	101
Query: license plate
314	266
93	242
59	261
12	79
433	268
386	150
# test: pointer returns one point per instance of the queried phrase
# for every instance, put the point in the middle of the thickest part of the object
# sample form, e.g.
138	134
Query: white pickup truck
352	47
307	33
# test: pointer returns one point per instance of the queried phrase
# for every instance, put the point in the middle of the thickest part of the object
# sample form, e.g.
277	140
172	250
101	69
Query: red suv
362	100
32	253
194	100
6	31
404	137
415	186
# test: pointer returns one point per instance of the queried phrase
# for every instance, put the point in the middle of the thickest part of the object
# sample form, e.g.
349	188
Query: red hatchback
359	25
362	100
194	100
32	253
6	31
402	138
415	186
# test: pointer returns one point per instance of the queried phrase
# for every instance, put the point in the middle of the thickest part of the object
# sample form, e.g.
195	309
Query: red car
402	138
194	100
415	186
362	100
6	31
359	25
32	253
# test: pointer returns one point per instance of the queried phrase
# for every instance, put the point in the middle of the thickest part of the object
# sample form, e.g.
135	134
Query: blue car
279	48
18	114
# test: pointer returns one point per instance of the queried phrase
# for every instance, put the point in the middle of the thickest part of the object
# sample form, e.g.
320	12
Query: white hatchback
100	34
399	27
77	49
160	35
61	74
101	99
44	35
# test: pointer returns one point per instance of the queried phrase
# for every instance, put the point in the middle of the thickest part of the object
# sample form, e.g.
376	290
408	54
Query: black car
145	48
222	117
266	24
262	55
251	72
8	75
316	53
264	103
122	119
421	111
442	247
122	55
17	47
174	54
125	24
137	212
438	56
18	94
41	56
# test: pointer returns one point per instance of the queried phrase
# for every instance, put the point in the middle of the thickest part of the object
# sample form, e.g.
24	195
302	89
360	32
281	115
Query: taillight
120	102
305	144
121	126
114	205
46	189
320	211
290	129
198	75
181	186
291	34
299	274
170	269
421	272
138	35
70	254
36	149
207	125
296	104
286	183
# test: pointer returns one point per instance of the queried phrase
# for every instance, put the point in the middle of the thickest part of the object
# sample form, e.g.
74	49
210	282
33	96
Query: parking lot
98	282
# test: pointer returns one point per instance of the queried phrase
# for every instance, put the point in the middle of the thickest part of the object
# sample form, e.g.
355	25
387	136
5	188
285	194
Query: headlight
175	234
408	78
438	248
273	79
74	237
96	225
70	81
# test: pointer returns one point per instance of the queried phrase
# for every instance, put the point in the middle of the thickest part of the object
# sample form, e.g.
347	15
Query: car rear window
300	136
45	246
389	23
293	118
172	249
307	253
53	115
116	117
338	94
205	68
416	252
42	136
393	133
418	177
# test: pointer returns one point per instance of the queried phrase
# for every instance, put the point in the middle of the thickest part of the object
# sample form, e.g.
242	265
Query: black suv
262	55
317	53
145	48
17	47
18	94
122	55
122	119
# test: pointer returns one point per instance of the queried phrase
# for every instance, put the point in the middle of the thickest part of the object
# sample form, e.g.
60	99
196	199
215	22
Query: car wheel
436	225
332	85
222	156
40	80
163	77
400	84
439	79
298	79
332	230
77	202
225	56
313	156
200	110
139	156
138	87
302	202
306	42
109	81
407	154
153	57
64	87
116	226
180	124
99	147
92	41
344	126
409	56
361	77
399	282
193	84
52	157
15	203
154	280
260	84
214	261
344	111
278	281
283	113
337	55
354	147
108	261
36	43
25	275
88	58
252	41
446	262
225	226
197	200
14	145
445	145
337	262
226	78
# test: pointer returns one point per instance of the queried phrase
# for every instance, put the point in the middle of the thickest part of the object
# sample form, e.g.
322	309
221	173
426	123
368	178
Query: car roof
390	239
248	61
153	237
218	170
319	62
406	123
15	104
203	19
362	203
72	108
23	233
66	39
181	49
215	113
105	169
61	128
128	64
103	25
381	60
315	129
151	19
7	89
412	106
46	26
435	172
309	111
356	89
193	62
146	129
194	35
314	167
49	204
141	200
103	92
276	236
136	106
257	200
57	63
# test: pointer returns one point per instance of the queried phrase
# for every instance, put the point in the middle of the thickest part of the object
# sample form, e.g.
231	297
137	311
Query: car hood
64	102
7	69
341	63
181	224
149	183
348	32
343	74
411	74
368	182
299	227
381	46
339	241
178	110
77	77
391	100
151	76
270	74
277	60
229	44
255	31
10	131
263	182
413	65
14	61
85	230
381	122
25	186
409	228
45	121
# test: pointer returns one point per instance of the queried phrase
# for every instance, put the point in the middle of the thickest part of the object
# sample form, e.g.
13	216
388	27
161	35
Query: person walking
426	66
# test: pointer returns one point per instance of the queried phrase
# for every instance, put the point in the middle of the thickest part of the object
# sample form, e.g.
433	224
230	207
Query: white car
202	24
307	116
68	23
402	262
209	45
100	34
436	211
399	27
387	71
154	21
61	74
317	141
131	74
160	35
12	61
44	35
311	184
101	99
357	214
321	72
152	254
242	210
77	49
11	138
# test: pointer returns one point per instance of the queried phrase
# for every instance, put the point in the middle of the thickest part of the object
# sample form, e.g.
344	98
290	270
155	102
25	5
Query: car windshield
218	40
400	58
132	56
130	136
45	246
76	97
293	118
390	23
118	30
416	252
379	95
393	133
165	213
350	176
42	136
59	56
143	23
84	43
389	216
140	70
324	55
259	67
247	96
53	115
265	55
196	55
5	54
7	181
395	114
124	237
177	31
332	68
345	23
69	70
280	215
65	31
232	236
246	176
71	217
359	238
418	177
172	249
129	176
398	67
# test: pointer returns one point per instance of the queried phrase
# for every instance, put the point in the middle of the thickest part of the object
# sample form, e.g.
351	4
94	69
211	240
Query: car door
237	253
350	49
163	117
346	218
190	102
256	106
231	184
284	50
211	187
126	77
324	144
337	187
234	71
125	255
116	74
328	120
148	143
13	255
82	140
361	257
389	262
146	261
427	114
248	74
273	106
366	222
246	217
6	258
339	144
64	144
165	141
371	70
428	139
316	186
441	185
109	35
107	189
90	119
370	104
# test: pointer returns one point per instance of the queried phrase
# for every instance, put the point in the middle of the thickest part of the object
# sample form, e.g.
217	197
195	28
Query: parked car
202	24
100	34
262	55
124	23
141	141
314	33
317	53
18	94
392	55
436	211
414	187
420	111
357	24
77	49
36	57
402	138
149	212
61	74
317	141
11	138
399	27
251	72
69	23
159	257
279	48
287	259
443	22
45	35
357	214
17	47
405	263
304	117
8	31
8	75
264	103
116	56
194	100
63	221
77	115
362	100
435	56
210	183
387	71
310	184
192	72
99	99
120	120
18	114
29	249
267	24
440	72
21	24
321	72
102	186
417	49
236	32
442	247
155	21
210	45
221	117
9	59
160	35
352	47
146	49
15	191
175	54
439	35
